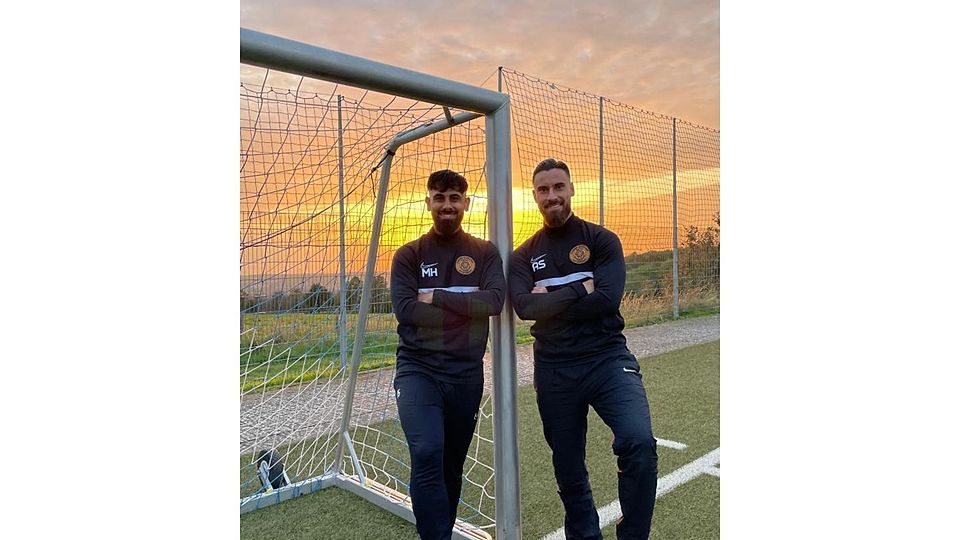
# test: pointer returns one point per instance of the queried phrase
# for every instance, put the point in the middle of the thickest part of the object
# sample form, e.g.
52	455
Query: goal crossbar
272	52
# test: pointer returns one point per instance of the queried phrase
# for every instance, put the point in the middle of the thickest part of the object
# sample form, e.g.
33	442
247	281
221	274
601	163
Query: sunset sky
656	55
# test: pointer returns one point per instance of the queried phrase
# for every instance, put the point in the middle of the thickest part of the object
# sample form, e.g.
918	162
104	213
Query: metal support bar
357	466
342	320
367	292
601	161
676	250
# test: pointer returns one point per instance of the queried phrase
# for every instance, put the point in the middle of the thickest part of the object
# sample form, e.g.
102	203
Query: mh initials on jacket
428	270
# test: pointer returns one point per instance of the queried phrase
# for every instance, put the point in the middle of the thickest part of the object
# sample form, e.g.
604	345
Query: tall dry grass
640	309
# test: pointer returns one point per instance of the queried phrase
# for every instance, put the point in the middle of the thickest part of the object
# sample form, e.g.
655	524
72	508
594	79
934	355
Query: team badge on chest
580	254
466	265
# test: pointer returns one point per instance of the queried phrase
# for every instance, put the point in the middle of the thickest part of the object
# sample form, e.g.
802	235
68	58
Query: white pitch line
712	471
671	444
686	473
609	513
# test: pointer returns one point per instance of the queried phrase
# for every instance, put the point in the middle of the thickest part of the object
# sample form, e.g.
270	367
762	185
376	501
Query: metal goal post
276	53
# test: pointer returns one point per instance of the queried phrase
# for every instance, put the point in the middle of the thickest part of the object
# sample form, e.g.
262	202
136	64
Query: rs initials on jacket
538	262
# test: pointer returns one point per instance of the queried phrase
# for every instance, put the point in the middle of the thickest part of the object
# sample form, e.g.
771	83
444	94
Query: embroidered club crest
465	265
580	254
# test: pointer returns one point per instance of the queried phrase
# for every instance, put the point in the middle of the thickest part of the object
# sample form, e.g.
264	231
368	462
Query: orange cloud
660	56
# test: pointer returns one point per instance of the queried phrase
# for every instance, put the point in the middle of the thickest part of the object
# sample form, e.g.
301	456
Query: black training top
571	326
446	339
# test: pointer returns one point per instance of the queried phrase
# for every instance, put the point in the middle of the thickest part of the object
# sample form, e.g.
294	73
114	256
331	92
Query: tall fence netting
622	164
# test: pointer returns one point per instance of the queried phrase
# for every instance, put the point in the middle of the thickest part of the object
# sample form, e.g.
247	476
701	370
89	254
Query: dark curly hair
445	180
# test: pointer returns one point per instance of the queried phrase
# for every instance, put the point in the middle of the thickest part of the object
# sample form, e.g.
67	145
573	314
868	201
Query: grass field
684	391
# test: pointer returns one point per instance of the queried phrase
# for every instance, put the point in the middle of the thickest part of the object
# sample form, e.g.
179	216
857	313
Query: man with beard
569	278
444	286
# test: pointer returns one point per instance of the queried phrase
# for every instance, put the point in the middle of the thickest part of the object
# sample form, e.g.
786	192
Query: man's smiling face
447	208
552	189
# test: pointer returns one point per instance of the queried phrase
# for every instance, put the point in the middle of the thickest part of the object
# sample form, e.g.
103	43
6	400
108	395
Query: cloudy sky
657	55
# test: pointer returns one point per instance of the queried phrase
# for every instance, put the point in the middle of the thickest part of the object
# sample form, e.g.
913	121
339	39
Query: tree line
319	299
698	264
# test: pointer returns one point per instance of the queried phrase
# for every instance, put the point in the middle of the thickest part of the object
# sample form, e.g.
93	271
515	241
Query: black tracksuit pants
438	420
614	388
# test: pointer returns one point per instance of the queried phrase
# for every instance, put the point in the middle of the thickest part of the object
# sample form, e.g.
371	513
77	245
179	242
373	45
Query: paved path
276	417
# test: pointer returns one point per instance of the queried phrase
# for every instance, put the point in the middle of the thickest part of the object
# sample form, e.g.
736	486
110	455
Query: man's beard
446	226
553	218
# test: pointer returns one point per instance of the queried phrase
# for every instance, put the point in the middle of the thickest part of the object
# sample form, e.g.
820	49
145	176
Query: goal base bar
399	504
285	493
383	496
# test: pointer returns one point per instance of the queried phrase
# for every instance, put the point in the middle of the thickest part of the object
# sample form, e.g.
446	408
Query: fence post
676	251
342	320
601	161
